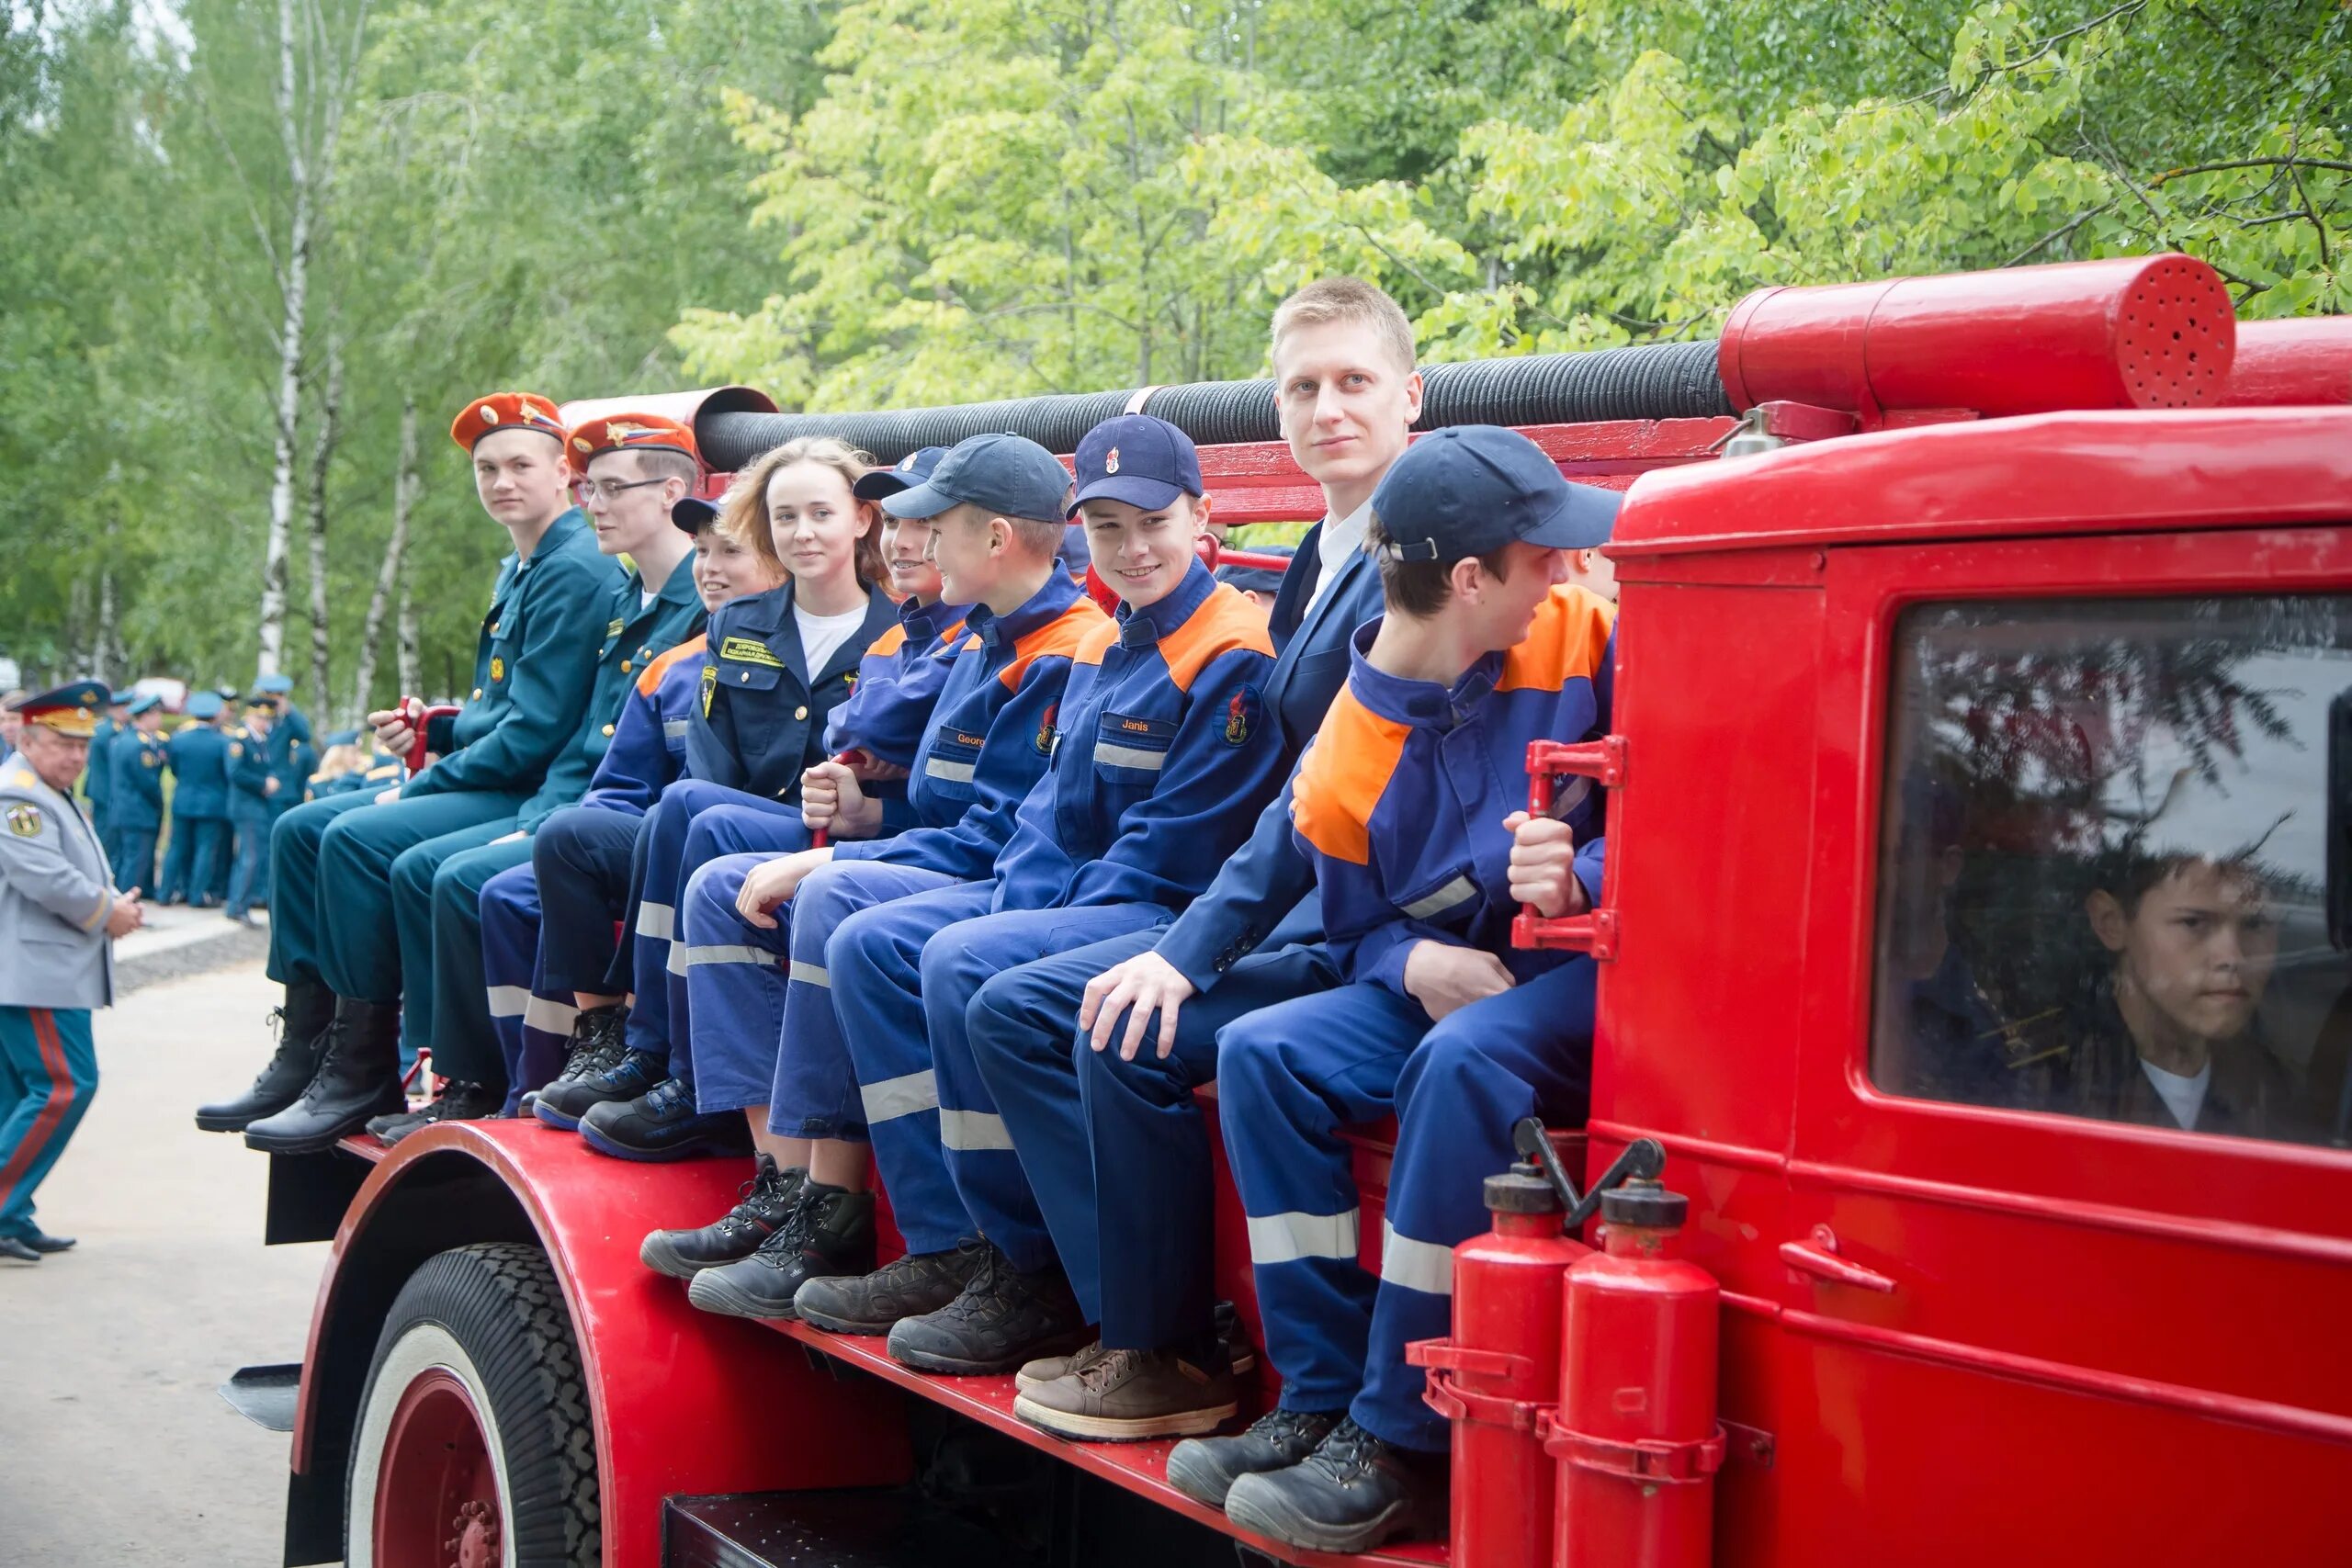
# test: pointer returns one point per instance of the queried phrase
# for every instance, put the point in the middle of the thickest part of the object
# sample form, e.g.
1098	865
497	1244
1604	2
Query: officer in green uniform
98	780
292	752
198	754
135	793
336	942
250	812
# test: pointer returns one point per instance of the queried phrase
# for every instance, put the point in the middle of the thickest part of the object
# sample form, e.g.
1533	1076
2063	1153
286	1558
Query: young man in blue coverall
534	1018
764	1023
1346	393
336	941
634	467
1408	804
1163	757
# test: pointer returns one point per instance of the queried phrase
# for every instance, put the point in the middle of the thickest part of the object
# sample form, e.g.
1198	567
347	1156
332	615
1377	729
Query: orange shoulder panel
1352	758
1096	642
1566	642
1063	635
1226	621
951	637
889	643
690	648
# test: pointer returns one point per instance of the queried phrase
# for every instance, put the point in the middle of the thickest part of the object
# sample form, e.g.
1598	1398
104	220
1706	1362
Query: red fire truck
1959	613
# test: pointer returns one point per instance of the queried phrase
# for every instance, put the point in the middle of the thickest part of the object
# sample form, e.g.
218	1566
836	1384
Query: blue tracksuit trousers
1139	1243
719	834
531	1028
899	971
667	854
1291	1076
734	983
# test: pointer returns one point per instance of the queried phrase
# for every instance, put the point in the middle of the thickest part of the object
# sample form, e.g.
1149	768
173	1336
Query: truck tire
474	1443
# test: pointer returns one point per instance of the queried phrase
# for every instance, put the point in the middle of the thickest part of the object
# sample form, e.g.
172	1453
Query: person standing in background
197	755
97	778
135	809
250	813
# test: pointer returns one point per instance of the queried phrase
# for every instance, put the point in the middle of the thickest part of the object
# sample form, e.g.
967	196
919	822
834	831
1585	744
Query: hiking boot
598	1065
1001	1319
1204	1469
872	1303
458	1101
659	1124
761	1205
301	1028
1125	1396
358	1078
1240	1355
1352	1493
830	1230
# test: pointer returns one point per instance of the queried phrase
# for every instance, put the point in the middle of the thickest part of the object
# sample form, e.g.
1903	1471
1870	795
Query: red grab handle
818	839
1603	761
419	716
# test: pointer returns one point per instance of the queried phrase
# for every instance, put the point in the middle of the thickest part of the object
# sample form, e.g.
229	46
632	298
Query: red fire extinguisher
1497	1375
1635	1432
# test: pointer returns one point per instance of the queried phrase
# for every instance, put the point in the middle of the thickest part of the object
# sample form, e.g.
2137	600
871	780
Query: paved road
114	1448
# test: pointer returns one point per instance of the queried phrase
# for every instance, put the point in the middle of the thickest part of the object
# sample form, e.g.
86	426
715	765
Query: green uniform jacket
533	669
248	777
97	780
635	635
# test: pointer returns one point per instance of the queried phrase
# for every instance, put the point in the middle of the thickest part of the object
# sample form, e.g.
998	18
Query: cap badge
1110	461
907	463
619	433
581	444
489	414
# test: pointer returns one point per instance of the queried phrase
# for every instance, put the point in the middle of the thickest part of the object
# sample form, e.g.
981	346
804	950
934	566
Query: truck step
888	1527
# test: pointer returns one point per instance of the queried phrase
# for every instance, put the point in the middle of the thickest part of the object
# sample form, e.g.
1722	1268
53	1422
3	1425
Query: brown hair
743	515
1420	588
1348	299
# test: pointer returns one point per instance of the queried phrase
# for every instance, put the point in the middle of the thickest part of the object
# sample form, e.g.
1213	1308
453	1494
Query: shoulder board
1340	780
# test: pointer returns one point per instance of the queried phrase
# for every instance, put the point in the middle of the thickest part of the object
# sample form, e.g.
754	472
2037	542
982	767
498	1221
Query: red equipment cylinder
2133	332
1635	1432
2307	360
1495	1378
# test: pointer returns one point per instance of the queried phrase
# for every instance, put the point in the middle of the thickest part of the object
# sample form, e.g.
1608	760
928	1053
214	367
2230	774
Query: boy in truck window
1405	803
2172	1039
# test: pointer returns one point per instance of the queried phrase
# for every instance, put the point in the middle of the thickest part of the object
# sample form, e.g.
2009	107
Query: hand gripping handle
419	716
1603	761
818	838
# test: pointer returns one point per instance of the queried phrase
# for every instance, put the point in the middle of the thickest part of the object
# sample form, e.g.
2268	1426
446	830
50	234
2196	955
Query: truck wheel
474	1446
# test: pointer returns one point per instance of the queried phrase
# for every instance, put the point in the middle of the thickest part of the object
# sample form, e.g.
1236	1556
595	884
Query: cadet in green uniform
336	942
198	754
135	793
292	754
98	780
250	813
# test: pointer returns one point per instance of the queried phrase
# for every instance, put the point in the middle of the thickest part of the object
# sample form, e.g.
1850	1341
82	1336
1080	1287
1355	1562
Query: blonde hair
743	513
1329	300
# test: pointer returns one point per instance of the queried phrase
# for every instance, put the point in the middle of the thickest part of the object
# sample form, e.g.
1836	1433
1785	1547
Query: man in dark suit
1135	1019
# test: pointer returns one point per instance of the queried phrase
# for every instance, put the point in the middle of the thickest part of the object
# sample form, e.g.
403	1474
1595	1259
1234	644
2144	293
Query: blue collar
1423	704
1141	629
1053	596
923	623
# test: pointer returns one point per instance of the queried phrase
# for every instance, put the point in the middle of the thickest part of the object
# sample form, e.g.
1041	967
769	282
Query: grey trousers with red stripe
48	1071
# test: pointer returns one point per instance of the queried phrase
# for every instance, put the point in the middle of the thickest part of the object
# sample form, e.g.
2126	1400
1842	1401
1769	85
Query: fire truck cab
1973	945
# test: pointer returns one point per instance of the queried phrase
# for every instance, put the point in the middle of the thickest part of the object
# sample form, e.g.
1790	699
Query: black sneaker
1240	1355
597	1066
1001	1319
872	1303
830	1230
1204	1469
1352	1493
459	1101
661	1124
762	1206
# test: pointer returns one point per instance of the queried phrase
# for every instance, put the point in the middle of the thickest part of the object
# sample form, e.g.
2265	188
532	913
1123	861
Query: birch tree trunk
294	279
322	455
410	670
406	482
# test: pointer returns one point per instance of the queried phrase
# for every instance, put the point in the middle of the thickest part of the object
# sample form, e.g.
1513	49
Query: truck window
2103	868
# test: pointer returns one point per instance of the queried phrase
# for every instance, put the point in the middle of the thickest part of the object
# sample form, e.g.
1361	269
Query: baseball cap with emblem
1469	489
1009	475
72	710
506	411
632	432
690	515
905	474
1134	457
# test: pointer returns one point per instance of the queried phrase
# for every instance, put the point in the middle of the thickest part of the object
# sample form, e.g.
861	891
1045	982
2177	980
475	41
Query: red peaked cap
506	411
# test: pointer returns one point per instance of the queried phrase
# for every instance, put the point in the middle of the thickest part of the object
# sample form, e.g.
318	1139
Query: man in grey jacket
58	917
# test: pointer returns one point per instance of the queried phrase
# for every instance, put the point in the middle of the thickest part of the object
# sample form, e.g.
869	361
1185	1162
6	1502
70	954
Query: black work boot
1352	1493
872	1303
760	1210
661	1124
1001	1319
600	1067
458	1101
301	1028
358	1077
830	1230
1204	1469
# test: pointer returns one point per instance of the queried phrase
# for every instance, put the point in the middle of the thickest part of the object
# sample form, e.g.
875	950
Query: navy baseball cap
905	474
1134	457
1472	489
1009	475
691	513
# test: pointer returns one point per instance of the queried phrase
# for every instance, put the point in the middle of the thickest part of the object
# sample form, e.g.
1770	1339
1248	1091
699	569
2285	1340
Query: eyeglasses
588	492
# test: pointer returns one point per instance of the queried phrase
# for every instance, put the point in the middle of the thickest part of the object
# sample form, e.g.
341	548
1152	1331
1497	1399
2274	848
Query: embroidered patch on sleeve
1043	740
710	686
1244	710
25	821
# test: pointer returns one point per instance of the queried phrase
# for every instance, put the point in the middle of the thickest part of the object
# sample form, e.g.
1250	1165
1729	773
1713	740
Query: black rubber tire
501	1302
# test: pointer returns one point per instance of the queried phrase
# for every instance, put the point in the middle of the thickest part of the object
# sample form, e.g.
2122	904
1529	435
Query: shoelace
753	1199
644	1061
1282	1427
316	1089
786	1241
1349	1452
1097	1368
666	1097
